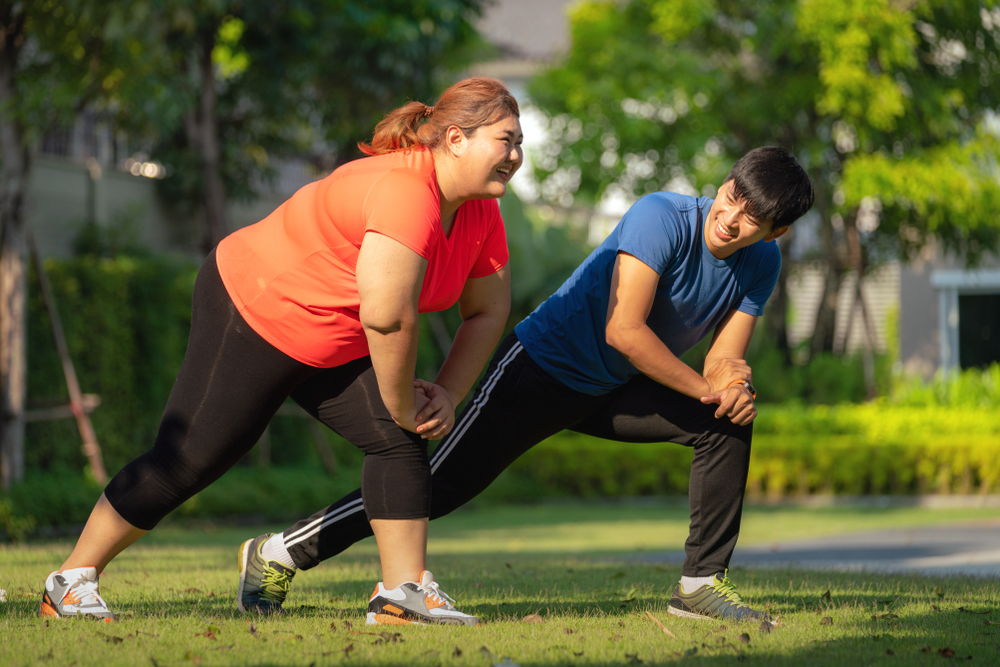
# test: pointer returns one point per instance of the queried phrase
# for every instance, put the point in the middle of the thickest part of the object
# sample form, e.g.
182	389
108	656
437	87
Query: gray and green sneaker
263	583
716	600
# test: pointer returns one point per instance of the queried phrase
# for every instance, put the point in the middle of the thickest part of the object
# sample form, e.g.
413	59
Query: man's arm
726	362
633	286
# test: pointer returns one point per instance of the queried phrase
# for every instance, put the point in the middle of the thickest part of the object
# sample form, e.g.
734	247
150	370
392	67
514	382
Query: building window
978	330
969	311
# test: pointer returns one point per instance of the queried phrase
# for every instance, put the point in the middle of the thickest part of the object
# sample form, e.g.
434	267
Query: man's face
728	227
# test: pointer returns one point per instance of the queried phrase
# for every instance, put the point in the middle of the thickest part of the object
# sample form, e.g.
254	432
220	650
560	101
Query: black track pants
516	406
229	386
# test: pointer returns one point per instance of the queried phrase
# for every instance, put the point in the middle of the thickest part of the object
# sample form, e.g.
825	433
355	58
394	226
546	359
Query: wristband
746	385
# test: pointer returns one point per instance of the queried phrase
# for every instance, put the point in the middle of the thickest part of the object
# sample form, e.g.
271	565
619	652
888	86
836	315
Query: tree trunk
210	148
826	313
15	164
777	305
859	262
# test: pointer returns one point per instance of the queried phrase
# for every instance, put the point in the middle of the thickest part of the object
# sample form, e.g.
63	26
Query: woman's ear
455	141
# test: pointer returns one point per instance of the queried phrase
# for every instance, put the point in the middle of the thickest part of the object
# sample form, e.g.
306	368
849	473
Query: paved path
971	549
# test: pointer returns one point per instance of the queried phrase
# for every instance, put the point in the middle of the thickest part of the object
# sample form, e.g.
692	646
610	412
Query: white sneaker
411	603
74	593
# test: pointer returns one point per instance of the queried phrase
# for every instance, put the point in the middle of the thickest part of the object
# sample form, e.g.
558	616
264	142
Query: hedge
849	449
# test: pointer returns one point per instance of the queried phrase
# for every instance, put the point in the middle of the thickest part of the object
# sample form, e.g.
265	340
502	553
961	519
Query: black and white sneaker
74	593
413	603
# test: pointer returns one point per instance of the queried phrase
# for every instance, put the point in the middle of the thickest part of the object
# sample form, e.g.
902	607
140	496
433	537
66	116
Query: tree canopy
890	106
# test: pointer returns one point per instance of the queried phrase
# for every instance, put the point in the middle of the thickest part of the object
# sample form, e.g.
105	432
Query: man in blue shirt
600	357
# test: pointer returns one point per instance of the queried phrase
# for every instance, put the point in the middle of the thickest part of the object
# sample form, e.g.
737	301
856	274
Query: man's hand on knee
724	372
736	403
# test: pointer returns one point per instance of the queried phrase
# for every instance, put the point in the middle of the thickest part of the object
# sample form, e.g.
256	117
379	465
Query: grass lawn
570	564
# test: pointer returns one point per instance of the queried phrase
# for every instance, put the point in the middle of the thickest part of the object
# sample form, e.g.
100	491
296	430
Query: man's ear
775	233
455	140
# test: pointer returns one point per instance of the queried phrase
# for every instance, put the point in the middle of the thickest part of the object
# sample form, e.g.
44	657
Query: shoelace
434	590
275	584
86	591
726	589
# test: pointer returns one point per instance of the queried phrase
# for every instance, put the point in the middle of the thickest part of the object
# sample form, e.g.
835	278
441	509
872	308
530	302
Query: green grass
569	563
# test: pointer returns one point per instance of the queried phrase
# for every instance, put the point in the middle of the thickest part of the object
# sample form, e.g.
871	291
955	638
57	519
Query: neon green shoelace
275	585
726	589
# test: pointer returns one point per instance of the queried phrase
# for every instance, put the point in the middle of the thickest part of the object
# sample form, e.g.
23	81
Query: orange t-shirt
292	275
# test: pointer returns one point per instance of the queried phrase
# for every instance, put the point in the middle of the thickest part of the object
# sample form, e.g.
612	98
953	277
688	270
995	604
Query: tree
887	104
237	84
56	56
219	86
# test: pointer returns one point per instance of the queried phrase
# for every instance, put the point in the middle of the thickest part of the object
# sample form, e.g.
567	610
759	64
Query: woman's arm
484	307
389	278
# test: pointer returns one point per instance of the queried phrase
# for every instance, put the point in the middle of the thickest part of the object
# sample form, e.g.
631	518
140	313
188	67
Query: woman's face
491	156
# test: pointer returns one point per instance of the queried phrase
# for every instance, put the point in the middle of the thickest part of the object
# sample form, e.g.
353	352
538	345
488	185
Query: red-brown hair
468	105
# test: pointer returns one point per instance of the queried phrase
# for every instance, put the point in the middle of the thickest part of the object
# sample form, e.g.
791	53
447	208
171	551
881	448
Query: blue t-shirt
565	335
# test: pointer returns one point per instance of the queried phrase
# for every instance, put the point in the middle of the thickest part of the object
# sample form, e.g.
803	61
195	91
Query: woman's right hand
420	400
437	417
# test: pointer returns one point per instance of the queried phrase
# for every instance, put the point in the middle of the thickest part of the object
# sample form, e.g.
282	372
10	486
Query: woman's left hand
437	417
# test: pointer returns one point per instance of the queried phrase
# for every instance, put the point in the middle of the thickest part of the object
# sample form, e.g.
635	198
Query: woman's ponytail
468	104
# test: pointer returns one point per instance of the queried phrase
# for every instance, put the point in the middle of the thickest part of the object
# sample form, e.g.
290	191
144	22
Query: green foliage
126	321
15	524
301	77
890	107
972	388
61	499
920	195
542	256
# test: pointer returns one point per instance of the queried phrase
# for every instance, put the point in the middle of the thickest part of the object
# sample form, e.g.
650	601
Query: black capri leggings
228	388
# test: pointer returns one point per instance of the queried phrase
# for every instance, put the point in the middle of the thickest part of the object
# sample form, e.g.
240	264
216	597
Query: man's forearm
651	357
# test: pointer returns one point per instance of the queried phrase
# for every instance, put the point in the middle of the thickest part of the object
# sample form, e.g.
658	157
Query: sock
274	549
691	584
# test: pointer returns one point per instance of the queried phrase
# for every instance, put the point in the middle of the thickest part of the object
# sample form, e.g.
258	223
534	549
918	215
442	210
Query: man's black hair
773	185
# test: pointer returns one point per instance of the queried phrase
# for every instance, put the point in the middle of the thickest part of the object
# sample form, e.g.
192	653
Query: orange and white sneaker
413	603
74	593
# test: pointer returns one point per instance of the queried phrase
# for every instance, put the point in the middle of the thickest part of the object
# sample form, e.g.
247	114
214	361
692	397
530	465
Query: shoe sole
388	619
680	613
243	557
689	614
48	610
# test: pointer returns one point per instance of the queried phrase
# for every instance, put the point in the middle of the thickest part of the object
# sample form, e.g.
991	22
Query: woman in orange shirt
319	302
